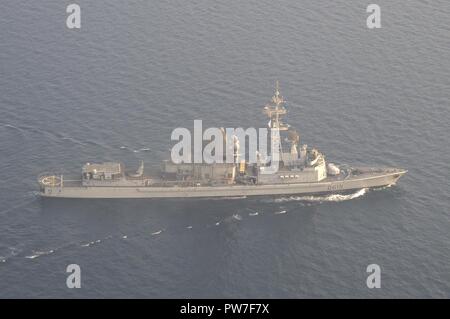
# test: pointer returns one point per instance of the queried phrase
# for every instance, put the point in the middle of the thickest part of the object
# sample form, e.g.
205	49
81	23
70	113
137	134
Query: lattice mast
275	109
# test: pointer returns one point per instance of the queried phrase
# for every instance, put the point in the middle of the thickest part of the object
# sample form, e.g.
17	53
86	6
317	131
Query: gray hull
329	185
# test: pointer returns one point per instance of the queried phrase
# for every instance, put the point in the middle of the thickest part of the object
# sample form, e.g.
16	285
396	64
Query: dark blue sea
116	88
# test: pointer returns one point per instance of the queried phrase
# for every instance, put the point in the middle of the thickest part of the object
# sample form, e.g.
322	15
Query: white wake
323	198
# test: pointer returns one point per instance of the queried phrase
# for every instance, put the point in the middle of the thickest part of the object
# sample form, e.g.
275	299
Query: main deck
359	178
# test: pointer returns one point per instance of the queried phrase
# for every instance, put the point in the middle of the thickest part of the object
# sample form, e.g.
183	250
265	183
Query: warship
302	170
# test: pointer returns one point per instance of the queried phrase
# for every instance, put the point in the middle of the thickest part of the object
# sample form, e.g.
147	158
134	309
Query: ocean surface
115	90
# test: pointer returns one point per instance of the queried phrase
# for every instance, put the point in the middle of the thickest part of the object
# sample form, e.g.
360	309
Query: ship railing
165	183
71	183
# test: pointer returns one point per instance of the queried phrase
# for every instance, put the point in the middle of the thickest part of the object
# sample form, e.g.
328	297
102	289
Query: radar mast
275	109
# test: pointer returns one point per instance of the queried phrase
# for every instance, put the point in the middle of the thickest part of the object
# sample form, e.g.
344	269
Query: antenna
275	109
